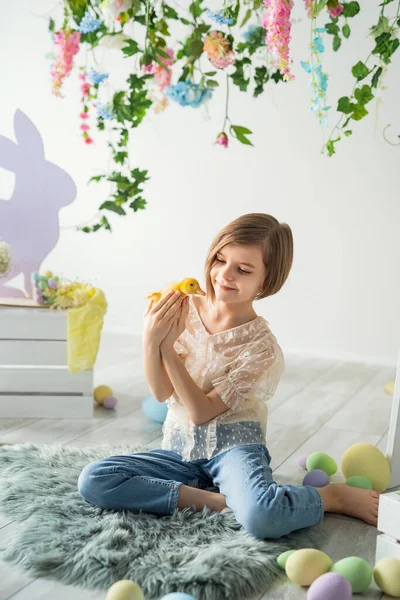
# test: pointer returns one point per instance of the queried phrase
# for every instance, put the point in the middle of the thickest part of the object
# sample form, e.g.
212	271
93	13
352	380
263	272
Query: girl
217	363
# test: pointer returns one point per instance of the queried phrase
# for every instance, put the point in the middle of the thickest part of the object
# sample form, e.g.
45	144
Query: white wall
343	295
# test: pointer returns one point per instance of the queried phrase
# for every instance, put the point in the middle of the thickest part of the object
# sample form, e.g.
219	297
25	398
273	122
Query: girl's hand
158	318
178	325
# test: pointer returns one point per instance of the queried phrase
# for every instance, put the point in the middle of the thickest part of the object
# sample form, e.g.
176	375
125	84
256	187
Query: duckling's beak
200	292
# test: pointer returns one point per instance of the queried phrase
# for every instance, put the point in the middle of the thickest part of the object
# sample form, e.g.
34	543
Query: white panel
389	514
31	352
386	547
32	323
36	379
393	445
46	407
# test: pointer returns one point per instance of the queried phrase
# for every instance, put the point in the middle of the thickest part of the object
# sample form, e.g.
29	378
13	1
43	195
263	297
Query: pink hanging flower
85	127
68	46
88	140
309	4
277	23
84	115
85	87
162	76
335	11
222	140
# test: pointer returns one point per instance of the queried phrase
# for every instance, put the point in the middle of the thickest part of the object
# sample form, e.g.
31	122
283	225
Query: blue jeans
150	482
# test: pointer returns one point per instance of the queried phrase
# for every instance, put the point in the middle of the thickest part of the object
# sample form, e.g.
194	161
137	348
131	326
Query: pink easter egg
330	586
110	402
316	478
302	461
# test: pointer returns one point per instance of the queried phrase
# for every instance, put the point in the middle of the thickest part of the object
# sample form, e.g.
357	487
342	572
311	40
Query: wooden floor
320	405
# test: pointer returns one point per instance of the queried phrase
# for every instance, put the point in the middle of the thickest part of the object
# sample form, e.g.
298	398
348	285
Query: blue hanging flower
104	111
187	93
318	80
89	23
219	17
96	77
318	45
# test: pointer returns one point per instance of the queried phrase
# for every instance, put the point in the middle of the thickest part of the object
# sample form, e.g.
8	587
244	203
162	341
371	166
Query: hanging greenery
245	44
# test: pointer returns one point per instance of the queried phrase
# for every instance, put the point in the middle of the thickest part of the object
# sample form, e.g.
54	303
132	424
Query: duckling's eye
191	284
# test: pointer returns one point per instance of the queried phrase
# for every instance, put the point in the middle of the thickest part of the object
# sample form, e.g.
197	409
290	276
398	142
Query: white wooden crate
34	378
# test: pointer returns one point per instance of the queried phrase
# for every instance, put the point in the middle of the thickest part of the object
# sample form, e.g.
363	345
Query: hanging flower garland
247	42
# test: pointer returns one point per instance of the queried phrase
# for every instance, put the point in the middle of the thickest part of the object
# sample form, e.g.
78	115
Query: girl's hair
257	229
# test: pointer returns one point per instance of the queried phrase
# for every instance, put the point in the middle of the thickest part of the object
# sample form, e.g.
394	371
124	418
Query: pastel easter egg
100	392
306	565
366	460
356	570
387	576
52	283
359	482
316	478
125	590
302	461
320	460
110	402
330	586
282	558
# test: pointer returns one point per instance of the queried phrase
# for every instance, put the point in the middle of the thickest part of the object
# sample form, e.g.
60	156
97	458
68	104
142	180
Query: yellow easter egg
387	576
306	565
125	590
366	460
101	392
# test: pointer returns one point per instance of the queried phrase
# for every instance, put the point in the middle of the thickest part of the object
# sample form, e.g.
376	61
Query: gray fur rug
62	537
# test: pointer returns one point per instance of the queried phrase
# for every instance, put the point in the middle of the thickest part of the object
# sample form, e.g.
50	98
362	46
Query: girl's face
238	273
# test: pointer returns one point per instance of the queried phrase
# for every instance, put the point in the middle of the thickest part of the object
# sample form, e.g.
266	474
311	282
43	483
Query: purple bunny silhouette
29	220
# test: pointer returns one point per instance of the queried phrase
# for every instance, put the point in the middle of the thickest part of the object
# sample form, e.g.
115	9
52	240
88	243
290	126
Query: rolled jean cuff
320	503
173	497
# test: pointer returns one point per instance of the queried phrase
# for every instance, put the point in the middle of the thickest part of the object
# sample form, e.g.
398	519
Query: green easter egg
42	285
356	570
359	481
320	460
282	558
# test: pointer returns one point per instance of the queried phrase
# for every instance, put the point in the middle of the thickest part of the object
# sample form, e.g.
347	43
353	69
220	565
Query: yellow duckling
186	286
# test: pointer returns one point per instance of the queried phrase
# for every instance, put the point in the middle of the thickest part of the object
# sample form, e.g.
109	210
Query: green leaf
51	24
330	147
344	105
375	77
138	204
332	28
131	48
246	18
385	47
351	9
169	12
240	129
348	133
360	71
96	178
120	157
212	83
336	43
320	5
363	94
108	205
238	76
346	31
239	132
118	98
381	27
196	48
359	112
261	77
210	73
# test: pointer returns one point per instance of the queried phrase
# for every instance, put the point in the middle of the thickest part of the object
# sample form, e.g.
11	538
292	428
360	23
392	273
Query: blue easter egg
156	411
178	595
316	478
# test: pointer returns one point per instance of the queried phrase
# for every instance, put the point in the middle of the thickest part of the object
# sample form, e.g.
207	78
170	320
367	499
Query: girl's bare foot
356	502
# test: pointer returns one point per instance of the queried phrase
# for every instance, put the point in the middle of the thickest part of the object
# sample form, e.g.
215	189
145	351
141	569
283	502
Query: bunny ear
8	154
28	137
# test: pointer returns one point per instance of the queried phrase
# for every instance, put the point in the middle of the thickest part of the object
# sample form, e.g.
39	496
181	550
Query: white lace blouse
244	364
